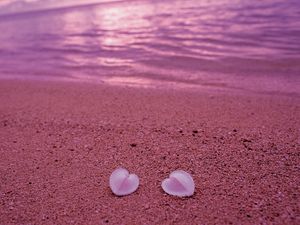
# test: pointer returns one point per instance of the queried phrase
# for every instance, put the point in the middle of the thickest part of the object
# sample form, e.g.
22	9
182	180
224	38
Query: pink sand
59	143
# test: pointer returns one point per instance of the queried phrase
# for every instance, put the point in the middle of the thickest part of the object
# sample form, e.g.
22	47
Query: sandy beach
59	143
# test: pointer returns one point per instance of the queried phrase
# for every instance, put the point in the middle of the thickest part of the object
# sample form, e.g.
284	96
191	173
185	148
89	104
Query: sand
59	142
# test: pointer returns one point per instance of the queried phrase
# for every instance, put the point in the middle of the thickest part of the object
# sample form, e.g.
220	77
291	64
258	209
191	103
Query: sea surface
219	44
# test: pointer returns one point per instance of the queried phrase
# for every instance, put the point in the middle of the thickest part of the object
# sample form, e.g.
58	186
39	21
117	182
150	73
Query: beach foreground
59	143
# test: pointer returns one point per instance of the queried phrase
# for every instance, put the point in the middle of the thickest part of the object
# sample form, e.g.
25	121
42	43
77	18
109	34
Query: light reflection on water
227	43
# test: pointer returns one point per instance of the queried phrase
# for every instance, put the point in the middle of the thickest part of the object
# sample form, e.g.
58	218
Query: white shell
179	183
122	183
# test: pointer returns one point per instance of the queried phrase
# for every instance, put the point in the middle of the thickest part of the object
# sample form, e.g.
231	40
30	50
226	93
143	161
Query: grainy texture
59	142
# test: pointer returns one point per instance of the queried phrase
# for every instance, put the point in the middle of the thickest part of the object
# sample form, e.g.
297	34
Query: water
232	44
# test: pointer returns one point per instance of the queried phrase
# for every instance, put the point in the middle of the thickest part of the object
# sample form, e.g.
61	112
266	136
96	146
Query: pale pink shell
122	183
179	183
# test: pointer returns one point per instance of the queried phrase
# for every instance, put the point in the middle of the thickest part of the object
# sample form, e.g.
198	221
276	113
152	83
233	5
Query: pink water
227	44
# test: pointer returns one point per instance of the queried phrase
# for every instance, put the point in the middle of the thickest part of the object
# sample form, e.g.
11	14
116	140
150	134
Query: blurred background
221	44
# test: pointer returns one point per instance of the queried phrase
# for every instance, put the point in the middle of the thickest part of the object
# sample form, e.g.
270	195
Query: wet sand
59	142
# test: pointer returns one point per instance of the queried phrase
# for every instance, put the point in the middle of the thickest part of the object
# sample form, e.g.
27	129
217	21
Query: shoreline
259	88
59	142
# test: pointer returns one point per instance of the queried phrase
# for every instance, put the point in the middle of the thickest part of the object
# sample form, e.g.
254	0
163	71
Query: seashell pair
179	183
